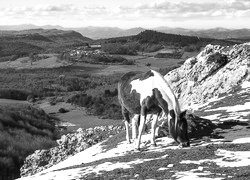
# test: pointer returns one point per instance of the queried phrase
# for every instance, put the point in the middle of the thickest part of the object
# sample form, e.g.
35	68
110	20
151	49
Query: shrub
62	110
151	47
23	129
107	59
103	103
119	48
31	98
14	94
128	62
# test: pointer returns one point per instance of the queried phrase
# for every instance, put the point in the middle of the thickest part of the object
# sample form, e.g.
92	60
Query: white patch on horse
145	88
142	87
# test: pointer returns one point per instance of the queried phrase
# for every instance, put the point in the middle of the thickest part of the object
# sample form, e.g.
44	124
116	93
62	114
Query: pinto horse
144	93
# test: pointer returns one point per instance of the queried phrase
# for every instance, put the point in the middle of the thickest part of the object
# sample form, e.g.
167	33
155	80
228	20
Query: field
46	61
146	61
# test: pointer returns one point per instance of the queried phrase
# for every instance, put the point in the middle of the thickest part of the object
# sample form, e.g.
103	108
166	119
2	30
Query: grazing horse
144	93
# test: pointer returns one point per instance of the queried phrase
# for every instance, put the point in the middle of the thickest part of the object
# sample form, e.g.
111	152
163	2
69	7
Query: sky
191	14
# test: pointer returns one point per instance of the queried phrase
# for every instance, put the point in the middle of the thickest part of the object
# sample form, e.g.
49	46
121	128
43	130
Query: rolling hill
155	37
95	32
22	43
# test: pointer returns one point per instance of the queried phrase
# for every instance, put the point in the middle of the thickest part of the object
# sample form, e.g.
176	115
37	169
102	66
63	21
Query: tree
32	58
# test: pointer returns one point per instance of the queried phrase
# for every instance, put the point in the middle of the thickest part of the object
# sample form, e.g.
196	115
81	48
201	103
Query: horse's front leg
154	122
141	127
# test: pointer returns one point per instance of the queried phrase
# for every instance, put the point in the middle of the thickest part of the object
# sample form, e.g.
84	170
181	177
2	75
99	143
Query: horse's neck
168	92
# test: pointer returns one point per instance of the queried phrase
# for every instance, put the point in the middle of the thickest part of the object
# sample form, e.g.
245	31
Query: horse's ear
183	114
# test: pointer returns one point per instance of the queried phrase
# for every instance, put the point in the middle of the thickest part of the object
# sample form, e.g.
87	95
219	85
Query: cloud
156	9
159	10
184	10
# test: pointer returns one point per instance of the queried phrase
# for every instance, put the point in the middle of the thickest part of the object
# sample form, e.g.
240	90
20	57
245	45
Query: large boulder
214	71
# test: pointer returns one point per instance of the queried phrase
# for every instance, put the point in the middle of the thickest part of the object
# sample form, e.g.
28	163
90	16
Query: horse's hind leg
125	114
135	120
141	126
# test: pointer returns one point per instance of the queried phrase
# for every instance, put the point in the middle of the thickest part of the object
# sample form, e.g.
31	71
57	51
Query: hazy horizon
120	27
126	14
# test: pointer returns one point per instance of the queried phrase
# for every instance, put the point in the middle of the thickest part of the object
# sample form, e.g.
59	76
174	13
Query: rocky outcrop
68	145
214	71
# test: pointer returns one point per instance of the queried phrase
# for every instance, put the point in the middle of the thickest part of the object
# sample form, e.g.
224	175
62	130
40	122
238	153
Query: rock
68	145
170	166
62	110
31	98
214	71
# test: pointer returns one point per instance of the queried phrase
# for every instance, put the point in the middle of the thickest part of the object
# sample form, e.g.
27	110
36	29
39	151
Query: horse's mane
161	81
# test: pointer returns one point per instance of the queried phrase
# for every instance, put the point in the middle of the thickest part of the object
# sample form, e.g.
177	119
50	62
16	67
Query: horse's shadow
202	130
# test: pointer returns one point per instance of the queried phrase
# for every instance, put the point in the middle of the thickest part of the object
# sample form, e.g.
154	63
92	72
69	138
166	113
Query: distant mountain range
110	32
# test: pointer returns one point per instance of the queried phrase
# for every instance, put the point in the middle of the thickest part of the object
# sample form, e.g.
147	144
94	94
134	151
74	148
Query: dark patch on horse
126	77
164	105
151	105
146	75
132	99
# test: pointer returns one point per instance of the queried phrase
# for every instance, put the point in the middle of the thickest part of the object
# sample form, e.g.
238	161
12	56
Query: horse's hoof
153	145
137	149
128	142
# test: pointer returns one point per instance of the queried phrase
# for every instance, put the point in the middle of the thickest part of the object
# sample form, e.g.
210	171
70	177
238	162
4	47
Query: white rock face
214	71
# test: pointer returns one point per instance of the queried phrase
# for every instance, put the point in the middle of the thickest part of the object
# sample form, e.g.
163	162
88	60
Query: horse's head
182	131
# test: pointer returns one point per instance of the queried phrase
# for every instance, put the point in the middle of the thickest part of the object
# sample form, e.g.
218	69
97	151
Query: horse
149	93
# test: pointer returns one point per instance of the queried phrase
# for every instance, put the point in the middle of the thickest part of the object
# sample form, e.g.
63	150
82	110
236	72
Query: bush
105	104
128	62
31	98
62	110
14	94
119	48
107	59
23	129
151	47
